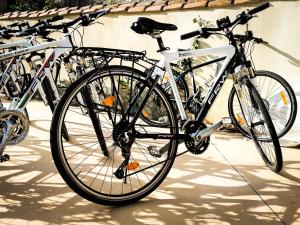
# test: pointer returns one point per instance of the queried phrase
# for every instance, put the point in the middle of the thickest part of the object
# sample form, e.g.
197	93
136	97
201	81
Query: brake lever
260	41
87	22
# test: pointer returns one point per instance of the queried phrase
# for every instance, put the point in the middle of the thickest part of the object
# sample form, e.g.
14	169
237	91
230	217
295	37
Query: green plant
197	43
32	5
23	5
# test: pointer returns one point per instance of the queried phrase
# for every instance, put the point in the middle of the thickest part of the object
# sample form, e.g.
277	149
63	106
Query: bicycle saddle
146	25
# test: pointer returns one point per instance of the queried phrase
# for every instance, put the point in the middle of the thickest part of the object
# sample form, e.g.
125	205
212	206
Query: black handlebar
259	8
225	23
13	24
55	18
203	32
47	21
86	19
42	26
190	35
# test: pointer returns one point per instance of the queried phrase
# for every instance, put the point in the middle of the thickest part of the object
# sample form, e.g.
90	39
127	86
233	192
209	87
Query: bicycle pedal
153	151
227	124
4	158
227	121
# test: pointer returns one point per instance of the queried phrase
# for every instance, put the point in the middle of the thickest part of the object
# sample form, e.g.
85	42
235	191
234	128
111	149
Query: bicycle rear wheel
278	97
260	126
80	161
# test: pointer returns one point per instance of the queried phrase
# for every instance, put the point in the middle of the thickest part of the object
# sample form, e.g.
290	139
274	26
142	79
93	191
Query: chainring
194	147
21	131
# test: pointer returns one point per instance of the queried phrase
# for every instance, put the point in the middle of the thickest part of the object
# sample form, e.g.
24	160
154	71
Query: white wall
278	25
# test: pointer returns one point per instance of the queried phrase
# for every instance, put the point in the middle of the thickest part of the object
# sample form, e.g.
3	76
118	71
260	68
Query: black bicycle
113	157
278	96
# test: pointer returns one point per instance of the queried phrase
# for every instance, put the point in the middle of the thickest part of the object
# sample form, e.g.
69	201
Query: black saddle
146	25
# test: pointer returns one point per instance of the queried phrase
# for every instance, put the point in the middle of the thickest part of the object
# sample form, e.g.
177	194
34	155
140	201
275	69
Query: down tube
211	96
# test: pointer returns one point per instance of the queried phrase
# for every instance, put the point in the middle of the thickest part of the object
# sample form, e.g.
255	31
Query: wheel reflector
133	165
283	97
109	101
240	119
145	113
166	77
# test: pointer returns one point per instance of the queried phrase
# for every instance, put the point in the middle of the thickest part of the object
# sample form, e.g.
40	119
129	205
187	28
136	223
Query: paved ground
228	184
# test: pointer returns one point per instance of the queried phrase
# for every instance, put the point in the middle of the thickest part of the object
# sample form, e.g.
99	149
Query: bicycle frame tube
12	65
63	43
59	46
9	72
24	44
191	74
167	57
43	72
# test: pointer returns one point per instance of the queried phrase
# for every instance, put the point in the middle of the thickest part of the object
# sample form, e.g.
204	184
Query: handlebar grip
13	31
13	24
28	31
97	14
190	35
47	21
259	8
55	18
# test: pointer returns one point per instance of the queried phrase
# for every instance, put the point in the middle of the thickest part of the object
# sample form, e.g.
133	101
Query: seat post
161	44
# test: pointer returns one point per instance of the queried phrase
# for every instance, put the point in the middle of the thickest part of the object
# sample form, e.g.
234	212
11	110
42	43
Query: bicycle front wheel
81	161
260	126
278	97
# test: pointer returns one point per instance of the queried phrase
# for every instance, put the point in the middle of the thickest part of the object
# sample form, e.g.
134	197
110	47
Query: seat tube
175	91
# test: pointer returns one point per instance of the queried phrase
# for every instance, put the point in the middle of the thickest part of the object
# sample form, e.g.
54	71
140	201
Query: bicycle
13	86
127	159
14	122
276	92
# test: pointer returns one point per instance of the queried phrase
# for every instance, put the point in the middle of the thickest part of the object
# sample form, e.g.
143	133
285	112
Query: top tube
24	44
63	43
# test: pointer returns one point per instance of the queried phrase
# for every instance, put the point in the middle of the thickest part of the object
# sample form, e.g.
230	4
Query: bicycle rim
81	162
260	127
278	98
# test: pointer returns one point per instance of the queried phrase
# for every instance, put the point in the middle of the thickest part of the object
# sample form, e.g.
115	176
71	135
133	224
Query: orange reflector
239	119
133	165
283	97
166	77
109	101
145	113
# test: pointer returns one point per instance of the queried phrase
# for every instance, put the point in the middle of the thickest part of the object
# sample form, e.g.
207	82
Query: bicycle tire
259	122
60	153
234	108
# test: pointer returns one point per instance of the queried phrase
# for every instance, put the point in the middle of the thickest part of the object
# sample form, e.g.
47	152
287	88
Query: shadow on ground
205	189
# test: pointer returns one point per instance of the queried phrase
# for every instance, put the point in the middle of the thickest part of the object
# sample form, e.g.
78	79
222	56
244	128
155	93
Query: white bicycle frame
9	72
59	47
20	44
167	57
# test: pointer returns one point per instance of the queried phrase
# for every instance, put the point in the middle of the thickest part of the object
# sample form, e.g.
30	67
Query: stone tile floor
228	184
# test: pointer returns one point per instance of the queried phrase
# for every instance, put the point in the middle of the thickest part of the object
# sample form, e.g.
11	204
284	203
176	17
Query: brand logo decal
216	90
183	54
